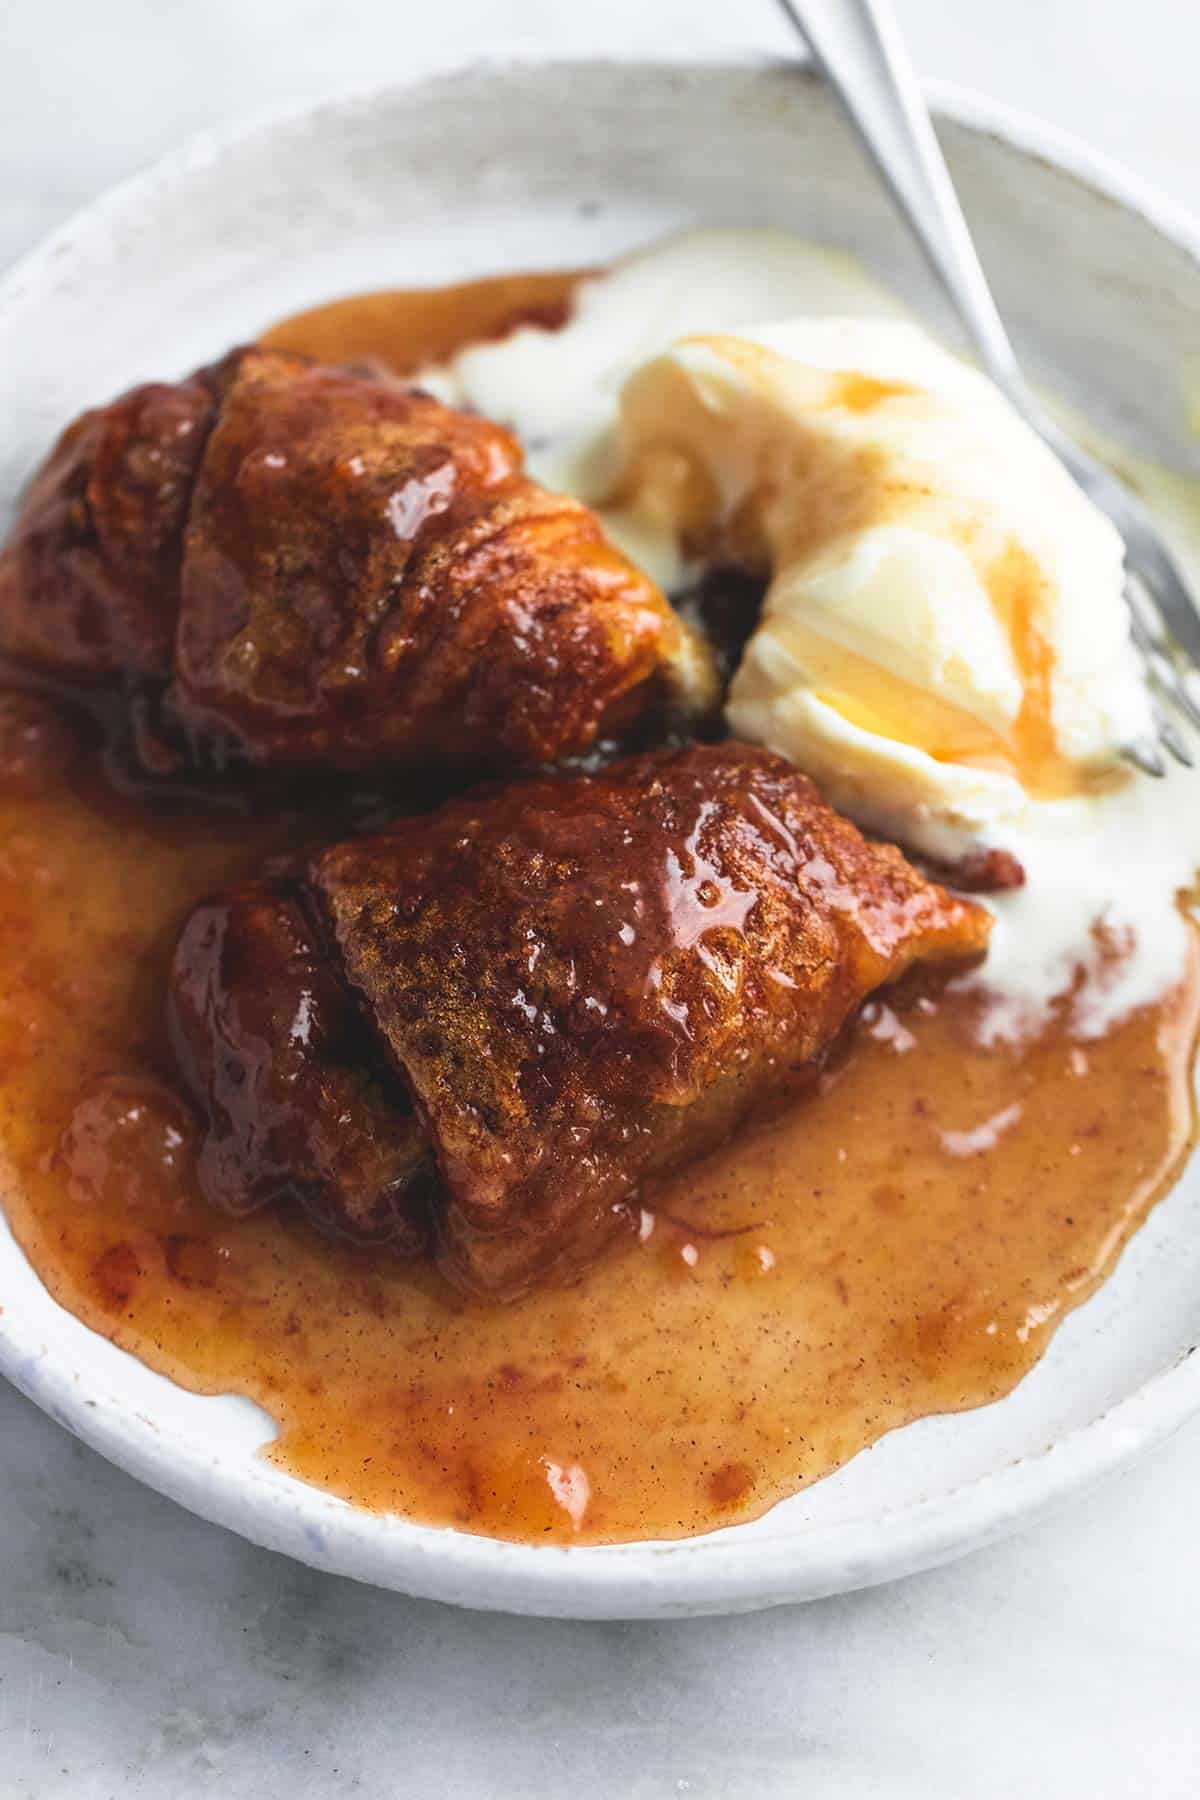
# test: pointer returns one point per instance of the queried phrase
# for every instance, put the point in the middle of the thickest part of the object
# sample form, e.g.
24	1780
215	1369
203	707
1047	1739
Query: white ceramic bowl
552	164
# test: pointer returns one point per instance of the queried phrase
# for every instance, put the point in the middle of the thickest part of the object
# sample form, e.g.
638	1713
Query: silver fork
859	49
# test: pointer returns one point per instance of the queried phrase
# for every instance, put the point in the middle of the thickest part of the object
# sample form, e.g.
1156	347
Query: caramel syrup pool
903	1243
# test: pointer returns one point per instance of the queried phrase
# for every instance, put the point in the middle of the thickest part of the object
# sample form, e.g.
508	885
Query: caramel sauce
407	328
862	393
903	1243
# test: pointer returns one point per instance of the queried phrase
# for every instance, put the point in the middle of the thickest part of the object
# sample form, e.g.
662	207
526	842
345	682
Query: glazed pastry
298	1101
543	996
290	565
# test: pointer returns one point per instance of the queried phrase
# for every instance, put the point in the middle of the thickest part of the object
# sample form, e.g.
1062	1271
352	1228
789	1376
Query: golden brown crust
586	981
89	579
269	1043
322	567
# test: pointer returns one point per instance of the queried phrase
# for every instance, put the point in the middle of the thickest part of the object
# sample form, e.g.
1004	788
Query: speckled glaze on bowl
549	164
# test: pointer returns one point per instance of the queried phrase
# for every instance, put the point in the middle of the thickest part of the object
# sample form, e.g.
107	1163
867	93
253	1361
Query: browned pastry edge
299	1106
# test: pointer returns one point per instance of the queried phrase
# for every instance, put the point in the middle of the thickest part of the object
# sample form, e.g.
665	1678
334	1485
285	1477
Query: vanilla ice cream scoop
944	638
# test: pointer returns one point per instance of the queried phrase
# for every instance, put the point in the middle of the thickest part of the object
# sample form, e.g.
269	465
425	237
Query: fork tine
1158	571
1180	695
1147	626
1143	755
1176	685
1163	669
1172	738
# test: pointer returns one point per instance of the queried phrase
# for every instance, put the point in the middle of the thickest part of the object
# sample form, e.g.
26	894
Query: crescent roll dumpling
310	566
571	986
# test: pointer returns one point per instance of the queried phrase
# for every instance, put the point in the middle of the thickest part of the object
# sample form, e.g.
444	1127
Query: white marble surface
143	1653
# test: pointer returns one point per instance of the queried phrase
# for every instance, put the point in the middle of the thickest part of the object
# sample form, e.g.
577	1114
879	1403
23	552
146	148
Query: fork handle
860	51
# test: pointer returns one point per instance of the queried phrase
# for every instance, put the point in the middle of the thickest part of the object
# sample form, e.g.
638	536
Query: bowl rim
709	1573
